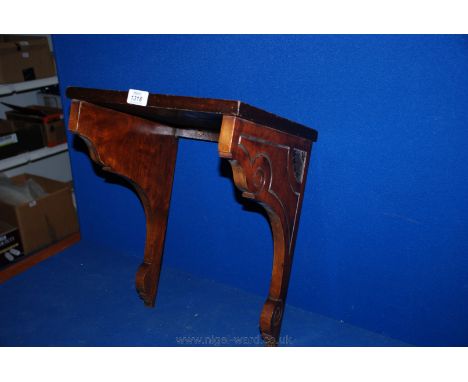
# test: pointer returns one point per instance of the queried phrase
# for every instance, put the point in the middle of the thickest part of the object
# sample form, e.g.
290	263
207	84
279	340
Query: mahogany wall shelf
269	156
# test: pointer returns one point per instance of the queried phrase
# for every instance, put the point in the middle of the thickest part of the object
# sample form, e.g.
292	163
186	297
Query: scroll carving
270	167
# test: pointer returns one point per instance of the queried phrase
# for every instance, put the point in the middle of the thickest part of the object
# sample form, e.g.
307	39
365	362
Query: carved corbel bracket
270	167
144	153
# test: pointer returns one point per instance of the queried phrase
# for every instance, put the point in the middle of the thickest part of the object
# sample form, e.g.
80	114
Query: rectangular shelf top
189	112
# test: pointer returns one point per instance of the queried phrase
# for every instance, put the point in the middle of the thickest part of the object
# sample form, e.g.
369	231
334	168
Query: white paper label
32	203
137	97
25	54
8	140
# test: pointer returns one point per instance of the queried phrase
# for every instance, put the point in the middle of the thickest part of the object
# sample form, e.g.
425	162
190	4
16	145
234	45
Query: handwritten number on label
137	97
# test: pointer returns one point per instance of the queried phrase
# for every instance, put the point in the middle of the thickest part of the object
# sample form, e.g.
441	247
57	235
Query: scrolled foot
270	321
145	285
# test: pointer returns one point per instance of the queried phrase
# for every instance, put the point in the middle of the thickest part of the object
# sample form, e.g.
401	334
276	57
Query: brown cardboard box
54	133
30	135
50	119
48	219
10	244
17	137
25	58
9	140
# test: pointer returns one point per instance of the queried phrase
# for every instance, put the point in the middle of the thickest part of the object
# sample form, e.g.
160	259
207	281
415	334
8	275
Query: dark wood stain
189	111
269	156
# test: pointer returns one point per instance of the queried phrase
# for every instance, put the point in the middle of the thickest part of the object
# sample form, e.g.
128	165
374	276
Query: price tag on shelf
137	97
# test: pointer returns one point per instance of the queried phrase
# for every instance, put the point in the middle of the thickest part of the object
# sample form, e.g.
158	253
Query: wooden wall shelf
269	156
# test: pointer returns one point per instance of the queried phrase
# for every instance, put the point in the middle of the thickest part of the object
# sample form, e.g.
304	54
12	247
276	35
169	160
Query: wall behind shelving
383	239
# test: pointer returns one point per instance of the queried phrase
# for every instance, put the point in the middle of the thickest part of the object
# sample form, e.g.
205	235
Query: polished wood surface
190	112
271	168
269	156
127	146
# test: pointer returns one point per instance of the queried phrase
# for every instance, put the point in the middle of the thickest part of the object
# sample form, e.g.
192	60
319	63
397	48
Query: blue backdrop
383	240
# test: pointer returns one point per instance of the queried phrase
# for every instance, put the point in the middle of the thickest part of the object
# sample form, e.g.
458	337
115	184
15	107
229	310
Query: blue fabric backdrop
383	240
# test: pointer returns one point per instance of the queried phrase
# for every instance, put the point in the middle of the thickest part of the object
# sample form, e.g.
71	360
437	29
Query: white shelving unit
8	89
51	162
31	156
23	93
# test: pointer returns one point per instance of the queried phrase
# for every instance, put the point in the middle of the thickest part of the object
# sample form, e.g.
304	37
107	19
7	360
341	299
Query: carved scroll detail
269	167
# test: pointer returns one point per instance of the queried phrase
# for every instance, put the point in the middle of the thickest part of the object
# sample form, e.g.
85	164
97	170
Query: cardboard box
10	244
9	141
17	137
49	100
45	220
25	58
50	119
30	135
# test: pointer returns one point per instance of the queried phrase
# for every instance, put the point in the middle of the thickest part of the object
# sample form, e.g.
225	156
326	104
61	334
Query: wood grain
190	112
144	153
270	167
269	156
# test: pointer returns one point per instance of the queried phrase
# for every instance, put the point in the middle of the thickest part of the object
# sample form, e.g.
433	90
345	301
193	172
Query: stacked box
25	58
45	220
49	120
9	142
